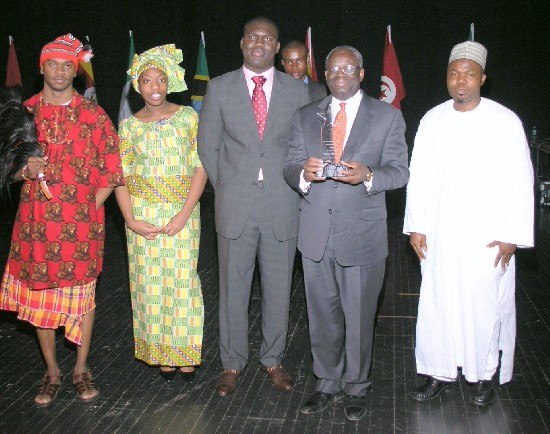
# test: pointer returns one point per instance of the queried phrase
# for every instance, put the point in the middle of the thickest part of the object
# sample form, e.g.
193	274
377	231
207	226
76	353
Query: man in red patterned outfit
57	243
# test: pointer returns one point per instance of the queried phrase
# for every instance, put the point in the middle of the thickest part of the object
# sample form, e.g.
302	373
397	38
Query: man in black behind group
295	58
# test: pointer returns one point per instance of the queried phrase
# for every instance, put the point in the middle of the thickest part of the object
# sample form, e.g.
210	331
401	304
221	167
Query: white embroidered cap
469	50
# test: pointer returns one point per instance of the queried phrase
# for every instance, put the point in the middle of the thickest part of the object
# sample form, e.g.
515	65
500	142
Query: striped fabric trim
159	189
167	355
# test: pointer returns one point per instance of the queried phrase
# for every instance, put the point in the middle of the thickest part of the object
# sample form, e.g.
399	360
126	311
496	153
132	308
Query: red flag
311	71
13	76
392	89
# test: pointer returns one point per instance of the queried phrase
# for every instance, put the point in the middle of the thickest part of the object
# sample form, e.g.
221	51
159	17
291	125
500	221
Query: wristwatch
370	175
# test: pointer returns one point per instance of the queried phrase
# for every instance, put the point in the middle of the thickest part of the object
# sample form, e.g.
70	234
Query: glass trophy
330	169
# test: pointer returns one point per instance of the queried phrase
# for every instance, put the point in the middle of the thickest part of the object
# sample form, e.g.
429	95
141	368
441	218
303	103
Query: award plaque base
332	170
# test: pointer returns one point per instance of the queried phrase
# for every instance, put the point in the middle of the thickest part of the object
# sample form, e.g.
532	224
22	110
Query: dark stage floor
134	398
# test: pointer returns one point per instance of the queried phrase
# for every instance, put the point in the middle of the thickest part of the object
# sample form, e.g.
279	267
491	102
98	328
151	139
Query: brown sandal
48	389
85	387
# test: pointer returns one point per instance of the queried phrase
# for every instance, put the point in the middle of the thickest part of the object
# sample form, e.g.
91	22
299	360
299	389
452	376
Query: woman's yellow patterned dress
159	160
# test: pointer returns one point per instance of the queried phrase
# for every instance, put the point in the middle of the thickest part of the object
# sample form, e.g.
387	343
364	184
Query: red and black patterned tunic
58	243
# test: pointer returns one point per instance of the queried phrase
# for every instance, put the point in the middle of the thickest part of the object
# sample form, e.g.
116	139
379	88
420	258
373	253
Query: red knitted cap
65	47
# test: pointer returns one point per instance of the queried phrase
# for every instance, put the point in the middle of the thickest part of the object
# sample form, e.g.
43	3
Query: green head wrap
164	57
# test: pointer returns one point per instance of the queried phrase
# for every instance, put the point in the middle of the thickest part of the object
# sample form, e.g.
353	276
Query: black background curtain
516	34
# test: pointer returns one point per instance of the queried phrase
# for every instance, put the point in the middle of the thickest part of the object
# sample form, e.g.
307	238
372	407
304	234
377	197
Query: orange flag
85	69
311	71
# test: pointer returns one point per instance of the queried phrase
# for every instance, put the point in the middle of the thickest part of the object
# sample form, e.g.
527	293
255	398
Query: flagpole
310	50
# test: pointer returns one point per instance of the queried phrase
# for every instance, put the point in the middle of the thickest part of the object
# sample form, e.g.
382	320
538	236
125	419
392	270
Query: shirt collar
354	101
267	74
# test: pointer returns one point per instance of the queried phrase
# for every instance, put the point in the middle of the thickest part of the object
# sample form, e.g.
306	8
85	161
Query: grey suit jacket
357	217
232	152
316	90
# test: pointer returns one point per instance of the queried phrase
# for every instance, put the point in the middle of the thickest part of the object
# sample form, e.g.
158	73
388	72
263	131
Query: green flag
201	78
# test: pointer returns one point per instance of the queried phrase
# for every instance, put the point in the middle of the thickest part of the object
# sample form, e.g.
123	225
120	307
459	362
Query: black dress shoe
483	393
168	375
356	407
431	389
187	376
319	401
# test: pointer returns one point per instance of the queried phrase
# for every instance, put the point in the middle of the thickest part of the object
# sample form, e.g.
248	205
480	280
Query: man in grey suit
343	234
294	58
244	131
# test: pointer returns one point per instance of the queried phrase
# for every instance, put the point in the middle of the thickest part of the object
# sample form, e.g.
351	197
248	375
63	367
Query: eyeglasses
346	69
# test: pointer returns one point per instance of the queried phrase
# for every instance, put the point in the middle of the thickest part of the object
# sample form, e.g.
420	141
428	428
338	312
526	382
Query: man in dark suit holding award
343	234
244	131
294	58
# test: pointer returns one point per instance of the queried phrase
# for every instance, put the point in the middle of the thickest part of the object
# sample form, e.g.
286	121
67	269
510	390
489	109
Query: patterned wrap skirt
165	288
49	308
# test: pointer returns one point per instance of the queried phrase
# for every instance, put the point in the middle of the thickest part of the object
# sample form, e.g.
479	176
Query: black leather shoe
356	407
483	393
320	400
227	383
168	375
338	397
187	375
431	389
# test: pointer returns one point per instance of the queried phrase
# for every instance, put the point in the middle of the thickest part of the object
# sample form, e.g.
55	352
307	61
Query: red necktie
339	132
259	103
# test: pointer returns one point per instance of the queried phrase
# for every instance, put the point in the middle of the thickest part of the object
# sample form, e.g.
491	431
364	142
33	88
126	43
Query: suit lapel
241	98
359	128
276	103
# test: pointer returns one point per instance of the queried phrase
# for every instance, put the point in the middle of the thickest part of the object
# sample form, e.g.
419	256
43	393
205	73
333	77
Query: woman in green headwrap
164	181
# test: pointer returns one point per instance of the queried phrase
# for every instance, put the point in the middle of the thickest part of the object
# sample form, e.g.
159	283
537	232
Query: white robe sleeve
514	222
418	188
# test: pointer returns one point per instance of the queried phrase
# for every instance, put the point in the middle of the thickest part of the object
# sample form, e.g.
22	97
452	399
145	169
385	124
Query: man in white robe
469	205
